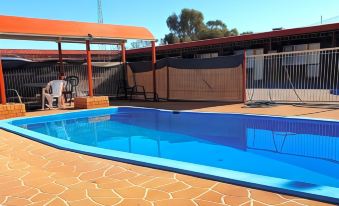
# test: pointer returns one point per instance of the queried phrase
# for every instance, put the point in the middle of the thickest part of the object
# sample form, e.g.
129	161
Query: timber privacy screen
215	79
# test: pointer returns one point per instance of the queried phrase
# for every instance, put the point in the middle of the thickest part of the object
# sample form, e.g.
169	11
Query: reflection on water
300	150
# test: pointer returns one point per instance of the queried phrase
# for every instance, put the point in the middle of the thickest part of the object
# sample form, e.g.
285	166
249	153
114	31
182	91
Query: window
313	61
258	64
301	58
206	55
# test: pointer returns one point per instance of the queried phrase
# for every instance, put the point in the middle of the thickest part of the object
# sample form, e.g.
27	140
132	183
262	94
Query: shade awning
22	28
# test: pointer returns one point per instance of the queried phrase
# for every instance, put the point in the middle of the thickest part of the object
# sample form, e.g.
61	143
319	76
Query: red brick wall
91	102
12	110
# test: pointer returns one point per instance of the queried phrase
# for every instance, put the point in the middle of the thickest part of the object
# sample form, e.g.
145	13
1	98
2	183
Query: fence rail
301	76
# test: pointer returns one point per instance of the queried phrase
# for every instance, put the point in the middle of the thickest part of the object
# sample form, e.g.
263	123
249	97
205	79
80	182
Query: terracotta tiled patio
35	174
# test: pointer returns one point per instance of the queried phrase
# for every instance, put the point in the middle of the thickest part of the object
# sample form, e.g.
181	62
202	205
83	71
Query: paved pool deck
35	174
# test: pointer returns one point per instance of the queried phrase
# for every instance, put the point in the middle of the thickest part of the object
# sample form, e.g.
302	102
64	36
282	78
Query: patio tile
112	184
84	202
57	202
105	201
5	191
156	195
37	182
141	179
211	196
67	181
159	182
16	201
137	202
73	194
101	193
189	192
231	190
124	175
41	197
27	193
207	203
310	202
266	197
131	192
52	188
234	200
114	170
83	185
172	202
173	187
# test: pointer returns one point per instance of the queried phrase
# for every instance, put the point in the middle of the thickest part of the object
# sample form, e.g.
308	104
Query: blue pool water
303	152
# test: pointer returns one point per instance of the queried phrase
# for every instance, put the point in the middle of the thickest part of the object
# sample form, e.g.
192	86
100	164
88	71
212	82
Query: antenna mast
100	20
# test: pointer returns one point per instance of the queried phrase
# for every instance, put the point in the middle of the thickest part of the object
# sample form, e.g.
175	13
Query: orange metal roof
12	27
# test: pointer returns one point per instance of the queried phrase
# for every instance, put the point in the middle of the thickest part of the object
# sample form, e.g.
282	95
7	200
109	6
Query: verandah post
89	69
124	66
154	61
244	77
2	84
61	62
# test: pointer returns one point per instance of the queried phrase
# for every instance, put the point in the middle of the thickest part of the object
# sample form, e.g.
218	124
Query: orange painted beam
2	84
154	61
89	69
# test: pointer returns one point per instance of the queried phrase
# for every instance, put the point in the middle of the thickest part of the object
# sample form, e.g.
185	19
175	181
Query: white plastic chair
53	91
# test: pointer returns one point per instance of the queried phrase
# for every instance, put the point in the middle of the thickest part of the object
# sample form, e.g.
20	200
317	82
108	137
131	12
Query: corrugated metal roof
13	27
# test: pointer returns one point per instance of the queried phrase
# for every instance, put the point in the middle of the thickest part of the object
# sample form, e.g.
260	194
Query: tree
186	25
189	26
246	32
233	32
216	29
216	25
170	39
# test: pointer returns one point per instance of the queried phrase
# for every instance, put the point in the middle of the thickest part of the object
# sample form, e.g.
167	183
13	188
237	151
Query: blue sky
245	15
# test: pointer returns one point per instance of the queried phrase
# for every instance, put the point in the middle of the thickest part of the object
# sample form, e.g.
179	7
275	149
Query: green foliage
189	26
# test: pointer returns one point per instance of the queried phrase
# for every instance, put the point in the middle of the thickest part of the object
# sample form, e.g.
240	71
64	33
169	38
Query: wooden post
61	62
89	69
123	53
2	84
244	77
154	61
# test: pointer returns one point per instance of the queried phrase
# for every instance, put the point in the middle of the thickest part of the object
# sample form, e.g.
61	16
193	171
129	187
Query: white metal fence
301	76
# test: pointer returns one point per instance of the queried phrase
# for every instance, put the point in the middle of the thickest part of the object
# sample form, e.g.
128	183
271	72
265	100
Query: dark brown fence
216	79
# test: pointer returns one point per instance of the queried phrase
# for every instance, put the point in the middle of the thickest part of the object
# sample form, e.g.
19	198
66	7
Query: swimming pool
291	155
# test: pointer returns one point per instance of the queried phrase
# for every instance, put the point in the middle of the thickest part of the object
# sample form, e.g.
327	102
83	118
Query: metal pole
89	69
154	60
244	78
124	66
2	84
61	62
